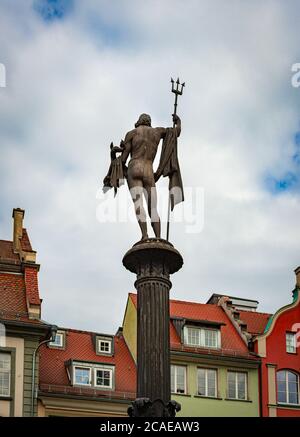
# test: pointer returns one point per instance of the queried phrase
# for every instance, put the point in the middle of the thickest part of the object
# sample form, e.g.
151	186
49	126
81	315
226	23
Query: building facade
86	374
213	370
278	348
21	327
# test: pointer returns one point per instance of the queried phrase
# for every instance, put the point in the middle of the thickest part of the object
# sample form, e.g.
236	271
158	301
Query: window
237	385
202	337
103	377
104	346
207	382
178	379
58	341
93	375
210	338
287	387
290	339
82	375
5	370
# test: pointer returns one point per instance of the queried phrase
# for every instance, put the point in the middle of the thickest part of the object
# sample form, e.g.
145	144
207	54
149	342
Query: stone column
153	261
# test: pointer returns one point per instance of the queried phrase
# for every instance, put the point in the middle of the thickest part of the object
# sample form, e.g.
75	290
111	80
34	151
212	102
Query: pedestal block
153	261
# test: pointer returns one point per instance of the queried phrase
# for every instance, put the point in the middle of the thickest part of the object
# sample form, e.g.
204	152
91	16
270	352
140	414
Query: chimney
18	215
297	272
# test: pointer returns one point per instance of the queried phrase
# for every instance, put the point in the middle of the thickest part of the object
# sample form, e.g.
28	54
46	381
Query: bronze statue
141	144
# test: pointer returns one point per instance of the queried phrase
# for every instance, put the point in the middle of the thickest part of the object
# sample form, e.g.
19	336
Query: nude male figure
142	143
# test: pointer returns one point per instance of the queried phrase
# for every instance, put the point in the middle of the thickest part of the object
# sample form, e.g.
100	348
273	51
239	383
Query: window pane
193	336
210	338
58	341
173	379
241	378
231	385
211	382
5	365
82	376
104	346
103	378
293	388
201	382
180	379
290	342
281	375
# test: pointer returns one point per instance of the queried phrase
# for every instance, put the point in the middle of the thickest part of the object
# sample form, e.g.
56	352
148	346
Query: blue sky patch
280	185
51	10
291	179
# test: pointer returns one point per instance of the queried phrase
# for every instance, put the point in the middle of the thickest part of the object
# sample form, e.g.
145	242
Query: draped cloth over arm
169	166
115	176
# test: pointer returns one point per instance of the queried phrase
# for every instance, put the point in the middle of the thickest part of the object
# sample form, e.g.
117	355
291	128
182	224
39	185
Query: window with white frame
104	346
207	382
103	377
287	387
82	375
178	379
290	340
5	373
237	385
93	375
202	337
58	341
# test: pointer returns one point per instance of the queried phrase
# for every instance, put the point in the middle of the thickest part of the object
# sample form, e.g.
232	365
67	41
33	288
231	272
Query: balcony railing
211	351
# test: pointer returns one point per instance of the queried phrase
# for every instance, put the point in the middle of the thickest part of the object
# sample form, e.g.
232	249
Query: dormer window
94	375
82	375
202	337
59	341
104	345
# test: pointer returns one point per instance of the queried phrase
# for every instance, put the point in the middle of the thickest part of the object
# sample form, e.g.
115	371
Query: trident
178	91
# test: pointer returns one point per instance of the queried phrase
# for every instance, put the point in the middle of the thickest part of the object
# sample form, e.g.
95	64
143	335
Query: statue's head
144	120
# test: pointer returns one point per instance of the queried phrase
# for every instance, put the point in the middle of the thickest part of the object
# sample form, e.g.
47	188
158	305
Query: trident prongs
179	87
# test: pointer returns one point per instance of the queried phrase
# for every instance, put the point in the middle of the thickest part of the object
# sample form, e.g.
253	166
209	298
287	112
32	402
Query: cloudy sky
78	74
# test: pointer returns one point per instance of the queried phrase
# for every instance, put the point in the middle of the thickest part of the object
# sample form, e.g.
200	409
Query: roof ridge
255	312
83	331
186	301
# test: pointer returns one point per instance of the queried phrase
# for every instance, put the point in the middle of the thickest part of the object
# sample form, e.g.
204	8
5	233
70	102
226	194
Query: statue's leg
151	198
136	191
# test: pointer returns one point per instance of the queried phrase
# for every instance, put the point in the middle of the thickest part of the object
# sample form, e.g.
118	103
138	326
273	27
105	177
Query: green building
213	371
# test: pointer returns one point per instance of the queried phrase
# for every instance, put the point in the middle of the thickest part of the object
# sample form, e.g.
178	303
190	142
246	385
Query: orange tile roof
12	294
256	322
231	341
80	346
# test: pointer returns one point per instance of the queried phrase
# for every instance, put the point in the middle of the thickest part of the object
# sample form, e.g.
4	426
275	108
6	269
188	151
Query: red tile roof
31	284
256	322
19	287
80	346
7	252
231	341
12	294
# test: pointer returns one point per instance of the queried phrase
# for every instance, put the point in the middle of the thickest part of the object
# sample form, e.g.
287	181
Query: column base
144	407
